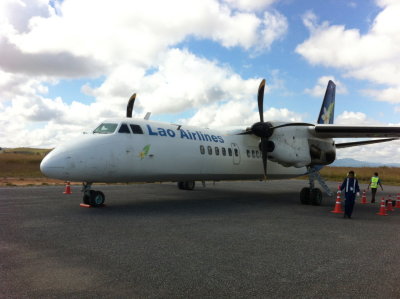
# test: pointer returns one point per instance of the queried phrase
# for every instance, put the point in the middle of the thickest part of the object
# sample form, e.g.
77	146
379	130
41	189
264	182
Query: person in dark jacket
351	188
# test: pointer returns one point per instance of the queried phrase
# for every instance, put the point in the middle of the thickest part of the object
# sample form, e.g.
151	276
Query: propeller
129	108
264	130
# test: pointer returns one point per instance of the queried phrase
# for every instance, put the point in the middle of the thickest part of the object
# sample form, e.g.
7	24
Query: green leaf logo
144	151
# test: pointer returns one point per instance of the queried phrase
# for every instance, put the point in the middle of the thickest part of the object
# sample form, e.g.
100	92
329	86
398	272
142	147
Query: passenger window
136	129
202	150
209	149
230	152
124	129
217	150
248	153
253	153
223	151
236	152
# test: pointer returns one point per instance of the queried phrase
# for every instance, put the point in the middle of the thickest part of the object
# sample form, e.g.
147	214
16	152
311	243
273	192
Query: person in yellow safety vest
375	181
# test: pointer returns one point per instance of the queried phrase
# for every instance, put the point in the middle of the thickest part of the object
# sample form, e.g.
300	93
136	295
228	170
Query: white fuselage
163	152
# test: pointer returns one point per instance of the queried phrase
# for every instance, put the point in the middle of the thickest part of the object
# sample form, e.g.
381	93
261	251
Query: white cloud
355	118
237	113
390	95
319	89
129	43
18	13
380	153
249	5
14	85
137	31
372	56
182	81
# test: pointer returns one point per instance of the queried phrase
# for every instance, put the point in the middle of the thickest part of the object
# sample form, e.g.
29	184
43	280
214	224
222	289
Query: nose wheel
187	185
92	197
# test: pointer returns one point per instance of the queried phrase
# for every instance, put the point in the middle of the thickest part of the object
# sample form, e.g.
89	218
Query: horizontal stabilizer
365	142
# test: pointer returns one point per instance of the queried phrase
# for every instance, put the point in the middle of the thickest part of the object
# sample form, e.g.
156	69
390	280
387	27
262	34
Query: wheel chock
83	205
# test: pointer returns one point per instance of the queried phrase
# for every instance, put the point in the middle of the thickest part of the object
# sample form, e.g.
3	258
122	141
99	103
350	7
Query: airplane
140	150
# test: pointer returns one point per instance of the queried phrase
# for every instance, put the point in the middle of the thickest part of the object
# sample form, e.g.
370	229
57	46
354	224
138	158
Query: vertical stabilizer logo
326	116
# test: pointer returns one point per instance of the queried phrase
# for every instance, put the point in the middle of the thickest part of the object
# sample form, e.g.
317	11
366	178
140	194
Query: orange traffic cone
398	201
338	205
382	210
389	205
67	189
364	198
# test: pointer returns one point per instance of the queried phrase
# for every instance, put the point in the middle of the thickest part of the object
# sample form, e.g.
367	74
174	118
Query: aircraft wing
339	131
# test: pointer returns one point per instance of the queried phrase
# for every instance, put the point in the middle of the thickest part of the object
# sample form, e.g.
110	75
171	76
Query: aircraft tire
181	185
96	198
305	196
316	197
86	199
189	185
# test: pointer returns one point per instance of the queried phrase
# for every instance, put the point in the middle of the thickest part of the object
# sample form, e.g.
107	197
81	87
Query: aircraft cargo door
235	153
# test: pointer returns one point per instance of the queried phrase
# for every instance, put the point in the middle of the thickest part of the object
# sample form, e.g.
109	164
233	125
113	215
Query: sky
67	65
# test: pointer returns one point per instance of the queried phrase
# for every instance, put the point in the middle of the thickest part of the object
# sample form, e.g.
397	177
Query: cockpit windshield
106	128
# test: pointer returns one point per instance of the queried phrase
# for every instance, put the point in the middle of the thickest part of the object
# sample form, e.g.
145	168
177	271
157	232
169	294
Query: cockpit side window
106	128
136	129
124	129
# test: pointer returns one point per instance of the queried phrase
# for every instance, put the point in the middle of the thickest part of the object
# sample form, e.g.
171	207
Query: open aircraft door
235	153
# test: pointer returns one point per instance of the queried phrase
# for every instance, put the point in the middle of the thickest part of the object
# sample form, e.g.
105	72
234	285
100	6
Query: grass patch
388	175
20	165
22	162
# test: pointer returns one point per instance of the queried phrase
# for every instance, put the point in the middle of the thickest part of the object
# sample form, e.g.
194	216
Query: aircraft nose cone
52	166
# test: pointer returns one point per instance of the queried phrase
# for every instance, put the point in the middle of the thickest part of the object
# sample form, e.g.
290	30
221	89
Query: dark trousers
349	204
373	192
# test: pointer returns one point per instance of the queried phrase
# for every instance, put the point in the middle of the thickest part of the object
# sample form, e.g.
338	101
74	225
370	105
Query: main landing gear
312	195
92	197
187	185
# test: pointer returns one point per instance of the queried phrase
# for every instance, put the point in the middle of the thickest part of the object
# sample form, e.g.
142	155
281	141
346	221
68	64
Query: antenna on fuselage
129	108
147	116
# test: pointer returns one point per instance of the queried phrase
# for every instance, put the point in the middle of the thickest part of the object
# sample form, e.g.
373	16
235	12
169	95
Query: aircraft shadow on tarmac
205	201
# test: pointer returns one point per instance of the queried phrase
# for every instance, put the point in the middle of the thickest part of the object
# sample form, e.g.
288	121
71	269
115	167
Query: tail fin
328	105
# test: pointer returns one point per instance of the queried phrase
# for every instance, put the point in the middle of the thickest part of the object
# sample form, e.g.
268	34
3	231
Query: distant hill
347	162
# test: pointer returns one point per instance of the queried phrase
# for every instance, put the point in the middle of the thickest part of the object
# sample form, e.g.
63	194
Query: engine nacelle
291	147
294	146
322	151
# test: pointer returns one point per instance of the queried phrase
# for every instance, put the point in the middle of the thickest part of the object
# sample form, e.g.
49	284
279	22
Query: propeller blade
129	108
246	133
264	153
260	99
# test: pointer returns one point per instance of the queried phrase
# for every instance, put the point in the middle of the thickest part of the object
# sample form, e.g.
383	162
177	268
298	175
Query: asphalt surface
231	240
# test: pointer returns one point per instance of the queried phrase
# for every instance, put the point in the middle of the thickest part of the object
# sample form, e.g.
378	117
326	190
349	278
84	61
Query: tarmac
228	240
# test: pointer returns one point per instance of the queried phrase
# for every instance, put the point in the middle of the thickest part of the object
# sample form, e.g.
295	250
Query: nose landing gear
92	197
187	185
